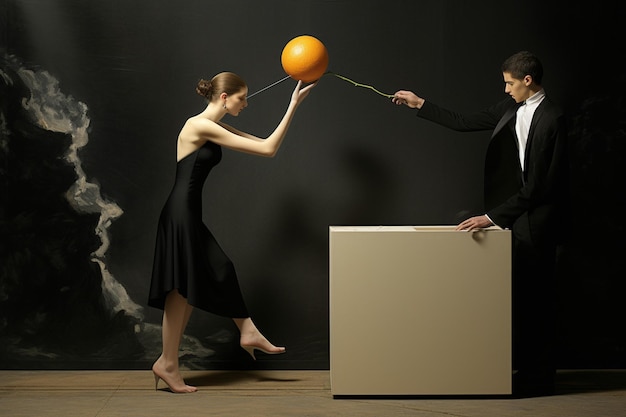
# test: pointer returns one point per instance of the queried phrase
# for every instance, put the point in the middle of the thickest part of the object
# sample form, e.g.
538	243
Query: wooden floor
281	393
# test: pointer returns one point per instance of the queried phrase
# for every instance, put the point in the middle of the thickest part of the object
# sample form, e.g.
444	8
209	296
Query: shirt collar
536	98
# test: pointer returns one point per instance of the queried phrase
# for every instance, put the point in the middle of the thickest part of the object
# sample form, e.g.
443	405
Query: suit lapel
505	119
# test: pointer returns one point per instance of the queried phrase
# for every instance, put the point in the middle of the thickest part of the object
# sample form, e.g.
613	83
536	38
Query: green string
358	84
326	73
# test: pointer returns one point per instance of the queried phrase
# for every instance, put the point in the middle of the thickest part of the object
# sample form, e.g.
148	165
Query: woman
190	269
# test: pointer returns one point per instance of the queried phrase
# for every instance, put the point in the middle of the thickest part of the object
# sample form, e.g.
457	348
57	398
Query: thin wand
359	84
269	86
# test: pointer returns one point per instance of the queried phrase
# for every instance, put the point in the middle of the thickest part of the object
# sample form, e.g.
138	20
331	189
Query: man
525	190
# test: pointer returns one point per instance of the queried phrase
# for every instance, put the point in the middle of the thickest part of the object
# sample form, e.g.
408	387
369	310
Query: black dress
187	257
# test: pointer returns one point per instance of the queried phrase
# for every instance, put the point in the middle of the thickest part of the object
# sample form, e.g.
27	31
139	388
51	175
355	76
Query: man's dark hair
522	64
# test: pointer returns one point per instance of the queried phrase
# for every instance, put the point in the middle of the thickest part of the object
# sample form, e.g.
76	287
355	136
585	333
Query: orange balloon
305	58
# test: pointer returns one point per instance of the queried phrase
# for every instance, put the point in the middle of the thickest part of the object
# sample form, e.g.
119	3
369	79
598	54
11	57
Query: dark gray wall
350	157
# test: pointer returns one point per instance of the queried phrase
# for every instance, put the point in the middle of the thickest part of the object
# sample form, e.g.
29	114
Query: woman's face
235	103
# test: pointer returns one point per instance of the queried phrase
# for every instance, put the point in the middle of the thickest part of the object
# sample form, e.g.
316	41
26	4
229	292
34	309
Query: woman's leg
175	318
251	338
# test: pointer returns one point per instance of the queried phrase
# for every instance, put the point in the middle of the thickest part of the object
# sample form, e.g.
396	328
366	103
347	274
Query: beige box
419	310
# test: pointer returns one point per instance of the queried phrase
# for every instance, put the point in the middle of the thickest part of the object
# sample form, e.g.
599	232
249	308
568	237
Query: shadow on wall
363	198
295	246
592	265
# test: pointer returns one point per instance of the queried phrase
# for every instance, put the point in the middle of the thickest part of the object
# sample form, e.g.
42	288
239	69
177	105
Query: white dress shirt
522	123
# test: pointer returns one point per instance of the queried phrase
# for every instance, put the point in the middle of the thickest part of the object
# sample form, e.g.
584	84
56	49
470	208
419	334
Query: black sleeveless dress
187	257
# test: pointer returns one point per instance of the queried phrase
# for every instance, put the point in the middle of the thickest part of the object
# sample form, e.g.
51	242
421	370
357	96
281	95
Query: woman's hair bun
224	82
205	89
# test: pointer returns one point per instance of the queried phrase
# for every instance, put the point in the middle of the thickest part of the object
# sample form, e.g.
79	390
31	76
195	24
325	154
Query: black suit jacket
532	202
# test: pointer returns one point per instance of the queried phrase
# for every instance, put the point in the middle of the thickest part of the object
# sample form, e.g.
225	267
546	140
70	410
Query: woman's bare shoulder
195	127
198	122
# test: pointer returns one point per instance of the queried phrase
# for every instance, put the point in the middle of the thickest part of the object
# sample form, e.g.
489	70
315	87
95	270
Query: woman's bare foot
251	339
256	341
171	376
